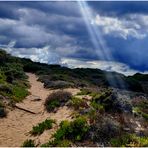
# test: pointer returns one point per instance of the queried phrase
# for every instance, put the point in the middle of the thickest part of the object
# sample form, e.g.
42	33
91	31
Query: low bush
94	94
75	130
92	115
139	112
129	140
39	129
104	129
140	107
69	132
5	88
57	99
144	115
78	103
58	143
57	84
28	143
84	92
112	103
102	96
64	143
19	93
97	106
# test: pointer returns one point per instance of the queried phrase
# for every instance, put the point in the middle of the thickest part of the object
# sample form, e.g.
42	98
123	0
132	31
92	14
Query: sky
109	35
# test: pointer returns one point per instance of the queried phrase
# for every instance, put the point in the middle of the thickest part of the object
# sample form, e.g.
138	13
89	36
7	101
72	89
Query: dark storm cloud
33	20
119	7
59	30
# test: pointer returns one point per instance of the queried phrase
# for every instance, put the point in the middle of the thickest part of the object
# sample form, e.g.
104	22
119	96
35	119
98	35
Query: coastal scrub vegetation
39	129
57	99
109	118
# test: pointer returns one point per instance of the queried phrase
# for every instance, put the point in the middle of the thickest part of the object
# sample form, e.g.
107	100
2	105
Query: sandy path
14	129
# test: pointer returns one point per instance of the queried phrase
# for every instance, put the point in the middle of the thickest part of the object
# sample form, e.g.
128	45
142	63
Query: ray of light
101	49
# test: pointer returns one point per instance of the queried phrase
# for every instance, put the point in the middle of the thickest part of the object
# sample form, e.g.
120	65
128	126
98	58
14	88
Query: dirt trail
14	129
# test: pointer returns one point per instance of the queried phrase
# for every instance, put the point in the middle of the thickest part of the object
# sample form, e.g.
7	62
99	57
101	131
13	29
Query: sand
14	129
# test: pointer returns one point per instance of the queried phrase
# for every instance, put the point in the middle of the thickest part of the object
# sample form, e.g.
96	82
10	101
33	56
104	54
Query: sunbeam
100	46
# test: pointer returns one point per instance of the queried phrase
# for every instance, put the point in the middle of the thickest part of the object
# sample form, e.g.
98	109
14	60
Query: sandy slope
14	129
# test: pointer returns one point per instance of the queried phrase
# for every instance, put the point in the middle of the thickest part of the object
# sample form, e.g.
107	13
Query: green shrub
140	107
84	92
77	103
53	104
28	143
139	111
97	106
102	96
13	79
63	143
39	129
48	144
19	93
145	115
75	130
57	99
120	141
92	115
129	140
94	94
57	143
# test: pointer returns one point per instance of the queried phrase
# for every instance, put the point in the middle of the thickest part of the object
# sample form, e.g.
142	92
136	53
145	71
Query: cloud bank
53	32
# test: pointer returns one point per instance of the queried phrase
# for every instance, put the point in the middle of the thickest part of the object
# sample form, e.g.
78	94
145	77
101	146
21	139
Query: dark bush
14	71
5	88
104	129
3	57
112	103
57	84
28	143
2	112
57	99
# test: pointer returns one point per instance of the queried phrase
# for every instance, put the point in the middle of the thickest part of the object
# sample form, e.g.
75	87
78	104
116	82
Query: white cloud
32	35
133	25
47	55
103	65
43	55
